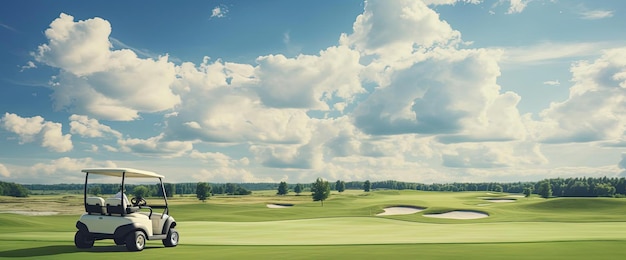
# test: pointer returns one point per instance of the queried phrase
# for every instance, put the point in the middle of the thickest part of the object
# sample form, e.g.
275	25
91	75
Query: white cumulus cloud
308	81
155	147
493	155
65	168
221	105
100	82
89	127
210	158
596	107
392	29
430	98
36	129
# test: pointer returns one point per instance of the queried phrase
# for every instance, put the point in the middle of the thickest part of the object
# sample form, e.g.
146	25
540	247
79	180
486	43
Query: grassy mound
578	204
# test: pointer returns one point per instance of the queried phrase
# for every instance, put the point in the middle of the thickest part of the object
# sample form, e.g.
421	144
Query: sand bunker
459	214
399	211
279	206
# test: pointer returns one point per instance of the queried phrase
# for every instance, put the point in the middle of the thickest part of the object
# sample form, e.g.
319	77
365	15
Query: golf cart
129	224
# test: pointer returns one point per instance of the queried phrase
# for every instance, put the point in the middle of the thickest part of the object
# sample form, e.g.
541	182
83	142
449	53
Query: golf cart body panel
127	224
108	224
157	225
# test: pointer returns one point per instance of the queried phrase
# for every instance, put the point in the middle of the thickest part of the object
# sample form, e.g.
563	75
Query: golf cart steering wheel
138	201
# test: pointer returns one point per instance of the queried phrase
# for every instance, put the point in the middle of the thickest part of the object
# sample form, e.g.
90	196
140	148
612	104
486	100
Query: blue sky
254	91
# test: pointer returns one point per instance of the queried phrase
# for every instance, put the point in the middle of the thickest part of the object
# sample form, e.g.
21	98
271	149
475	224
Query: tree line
171	188
559	187
104	188
582	187
555	187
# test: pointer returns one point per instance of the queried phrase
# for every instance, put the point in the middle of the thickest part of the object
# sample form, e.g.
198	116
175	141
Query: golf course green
266	226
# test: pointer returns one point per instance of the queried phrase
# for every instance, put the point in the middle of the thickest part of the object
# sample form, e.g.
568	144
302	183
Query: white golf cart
129	225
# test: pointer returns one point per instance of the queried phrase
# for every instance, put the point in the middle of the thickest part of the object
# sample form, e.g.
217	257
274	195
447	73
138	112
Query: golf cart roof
129	172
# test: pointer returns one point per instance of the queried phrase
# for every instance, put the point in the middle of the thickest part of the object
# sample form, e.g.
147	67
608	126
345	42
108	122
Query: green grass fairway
496	251
346	227
363	231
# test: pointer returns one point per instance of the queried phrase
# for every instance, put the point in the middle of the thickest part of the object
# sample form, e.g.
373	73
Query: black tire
135	241
172	238
83	240
119	241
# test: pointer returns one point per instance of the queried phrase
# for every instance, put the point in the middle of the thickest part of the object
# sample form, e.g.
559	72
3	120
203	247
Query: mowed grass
544	250
346	227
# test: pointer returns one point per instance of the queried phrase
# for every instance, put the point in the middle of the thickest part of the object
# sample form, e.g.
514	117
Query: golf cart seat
95	205
114	206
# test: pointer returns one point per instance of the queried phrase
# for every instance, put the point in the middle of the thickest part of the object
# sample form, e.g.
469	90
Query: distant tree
604	190
579	189
340	186
242	191
170	189
497	188
203	191
219	189
282	188
95	190
528	191
620	186
367	186
230	188
13	189
320	190
544	190
141	191
298	189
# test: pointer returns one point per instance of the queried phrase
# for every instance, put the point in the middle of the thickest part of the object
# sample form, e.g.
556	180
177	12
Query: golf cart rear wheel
135	241
172	238
82	240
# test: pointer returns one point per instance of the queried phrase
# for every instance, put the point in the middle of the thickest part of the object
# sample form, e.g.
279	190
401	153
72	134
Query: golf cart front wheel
82	240
135	241
120	241
172	238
